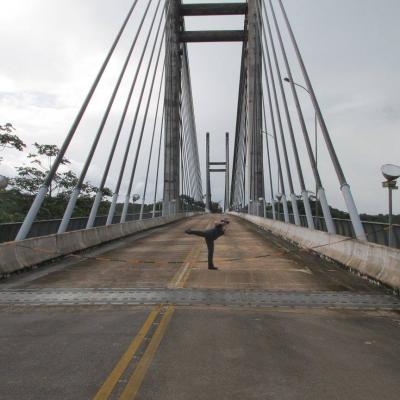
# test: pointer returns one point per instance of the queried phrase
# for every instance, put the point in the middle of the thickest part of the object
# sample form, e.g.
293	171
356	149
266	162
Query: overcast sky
52	49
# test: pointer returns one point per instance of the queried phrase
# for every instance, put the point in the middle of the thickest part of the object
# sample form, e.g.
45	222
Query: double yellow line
139	372
136	378
182	275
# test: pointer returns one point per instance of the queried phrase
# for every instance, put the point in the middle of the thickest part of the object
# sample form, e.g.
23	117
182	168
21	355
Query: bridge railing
9	231
377	232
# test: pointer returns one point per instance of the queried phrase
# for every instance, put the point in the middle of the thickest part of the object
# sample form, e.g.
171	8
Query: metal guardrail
377	232
9	231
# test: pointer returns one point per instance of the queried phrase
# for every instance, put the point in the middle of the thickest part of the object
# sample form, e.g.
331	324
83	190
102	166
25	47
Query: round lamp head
390	171
3	182
135	197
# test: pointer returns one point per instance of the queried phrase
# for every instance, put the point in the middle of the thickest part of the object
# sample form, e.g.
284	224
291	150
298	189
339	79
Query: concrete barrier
15	256
378	262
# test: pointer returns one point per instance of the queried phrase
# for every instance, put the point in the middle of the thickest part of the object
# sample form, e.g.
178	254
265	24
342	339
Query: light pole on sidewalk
391	173
315	139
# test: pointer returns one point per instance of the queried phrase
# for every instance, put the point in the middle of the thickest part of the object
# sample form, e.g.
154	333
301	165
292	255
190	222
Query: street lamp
315	135
391	173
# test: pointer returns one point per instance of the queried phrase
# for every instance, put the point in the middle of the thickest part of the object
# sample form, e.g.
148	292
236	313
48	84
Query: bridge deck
143	318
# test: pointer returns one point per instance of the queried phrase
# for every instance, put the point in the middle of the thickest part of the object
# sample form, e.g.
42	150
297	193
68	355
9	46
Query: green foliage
15	203
188	203
8	140
30	178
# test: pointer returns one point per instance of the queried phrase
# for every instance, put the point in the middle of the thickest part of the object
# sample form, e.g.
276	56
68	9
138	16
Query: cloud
52	50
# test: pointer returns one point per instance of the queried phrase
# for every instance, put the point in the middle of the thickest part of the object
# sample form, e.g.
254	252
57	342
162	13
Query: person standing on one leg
210	235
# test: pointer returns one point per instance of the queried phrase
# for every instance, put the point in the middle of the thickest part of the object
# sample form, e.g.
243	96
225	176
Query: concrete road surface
79	338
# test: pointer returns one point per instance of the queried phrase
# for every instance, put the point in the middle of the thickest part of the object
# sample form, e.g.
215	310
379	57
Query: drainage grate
238	298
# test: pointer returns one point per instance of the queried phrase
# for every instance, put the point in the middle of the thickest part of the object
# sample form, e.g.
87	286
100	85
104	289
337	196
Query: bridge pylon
173	76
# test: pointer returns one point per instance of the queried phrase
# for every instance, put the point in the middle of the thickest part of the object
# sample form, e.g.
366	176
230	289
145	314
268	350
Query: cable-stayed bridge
123	306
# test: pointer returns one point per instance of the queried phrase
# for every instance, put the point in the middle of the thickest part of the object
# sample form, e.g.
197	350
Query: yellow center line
140	371
182	275
185	277
181	271
110	383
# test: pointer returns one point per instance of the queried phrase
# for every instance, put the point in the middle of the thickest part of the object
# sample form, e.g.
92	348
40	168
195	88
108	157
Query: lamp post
279	196
391	173
262	202
316	142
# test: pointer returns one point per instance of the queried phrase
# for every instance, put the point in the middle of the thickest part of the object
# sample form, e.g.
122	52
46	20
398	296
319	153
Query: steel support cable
186	140
238	126
192	141
182	144
344	186
126	203
304	191
182	186
37	203
239	169
280	126
194	131
238	134
151	145
321	192
99	195
236	164
188	126
269	161
74	196
197	195
113	205
243	177
188	157
184	137
278	158
244	151
158	161
182	172
186	161
242	166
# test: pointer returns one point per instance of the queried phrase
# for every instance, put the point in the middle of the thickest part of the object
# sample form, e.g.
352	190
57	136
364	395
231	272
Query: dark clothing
210	247
210	235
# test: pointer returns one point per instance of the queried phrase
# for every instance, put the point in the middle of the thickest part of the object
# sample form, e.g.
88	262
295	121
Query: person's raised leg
193	232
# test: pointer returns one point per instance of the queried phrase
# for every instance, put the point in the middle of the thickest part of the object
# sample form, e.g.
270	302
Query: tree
8	140
31	177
